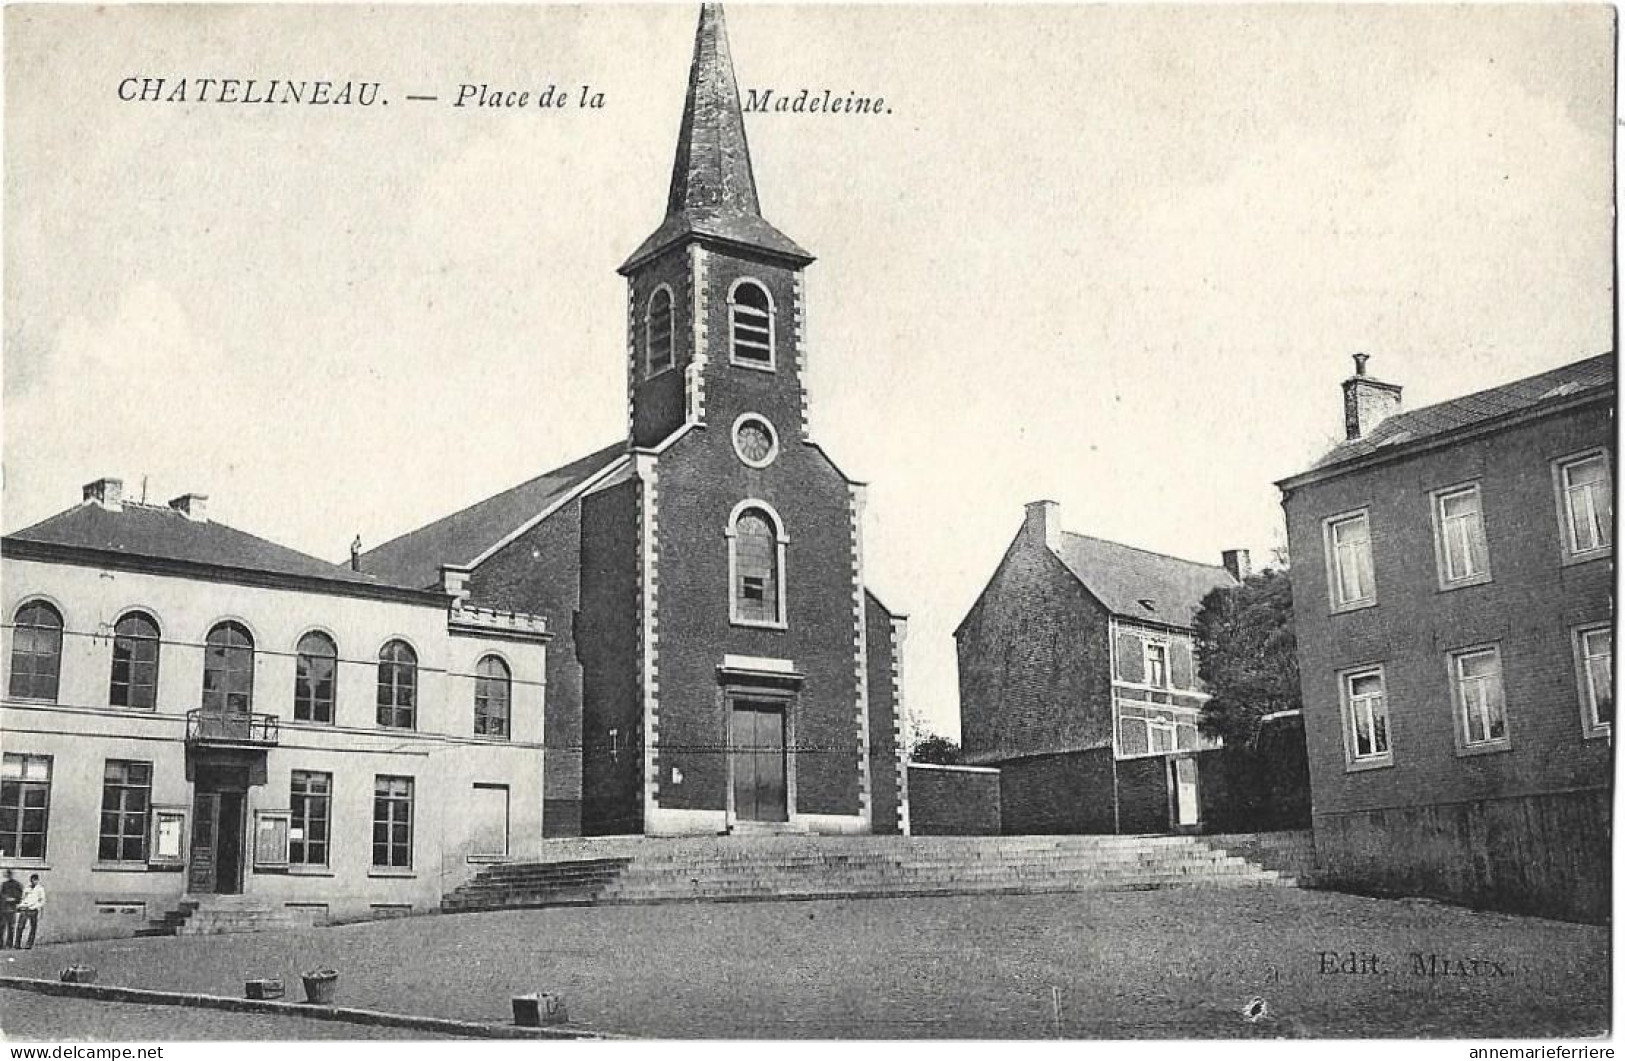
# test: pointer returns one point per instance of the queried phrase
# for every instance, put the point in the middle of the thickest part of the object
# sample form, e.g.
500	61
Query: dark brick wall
886	776
539	572
1034	661
1069	793
1142	795
659	402
944	801
1529	609
607	645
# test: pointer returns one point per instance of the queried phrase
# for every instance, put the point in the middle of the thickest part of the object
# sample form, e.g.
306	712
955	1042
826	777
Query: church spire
713	191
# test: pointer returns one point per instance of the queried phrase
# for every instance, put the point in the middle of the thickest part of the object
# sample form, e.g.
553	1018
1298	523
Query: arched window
36	651
493	692
750	316
315	676
228	670
135	662
657	324
397	686
758	588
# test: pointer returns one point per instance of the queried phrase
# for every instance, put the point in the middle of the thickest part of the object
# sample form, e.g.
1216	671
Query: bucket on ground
321	986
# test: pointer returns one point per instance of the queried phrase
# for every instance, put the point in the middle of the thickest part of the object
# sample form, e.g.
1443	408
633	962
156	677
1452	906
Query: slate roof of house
713	190
414	558
1125	579
1592	374
158	532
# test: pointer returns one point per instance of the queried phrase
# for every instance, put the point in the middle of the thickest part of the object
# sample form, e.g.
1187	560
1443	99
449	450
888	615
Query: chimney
1238	562
1044	520
194	507
355	554
1367	401
108	493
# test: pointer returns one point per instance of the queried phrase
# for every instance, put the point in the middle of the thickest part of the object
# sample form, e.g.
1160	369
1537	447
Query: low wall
953	800
1065	793
1546	855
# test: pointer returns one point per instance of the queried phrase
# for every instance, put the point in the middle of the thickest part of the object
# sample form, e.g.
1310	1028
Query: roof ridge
1565	367
1148	552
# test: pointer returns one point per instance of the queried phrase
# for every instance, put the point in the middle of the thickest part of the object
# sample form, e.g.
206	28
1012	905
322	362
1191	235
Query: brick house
1454	584
194	713
719	664
1077	680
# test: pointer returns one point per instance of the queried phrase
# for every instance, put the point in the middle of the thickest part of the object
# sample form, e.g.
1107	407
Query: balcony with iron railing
232	729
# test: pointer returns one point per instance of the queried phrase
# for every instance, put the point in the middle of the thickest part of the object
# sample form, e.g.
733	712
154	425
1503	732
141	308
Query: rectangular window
1156	664
1348	561
126	799
1594	656
1480	706
1586	505
1365	715
310	802
392	822
1458	537
25	805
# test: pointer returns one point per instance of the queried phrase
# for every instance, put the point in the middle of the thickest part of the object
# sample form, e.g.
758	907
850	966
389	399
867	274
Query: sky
1113	256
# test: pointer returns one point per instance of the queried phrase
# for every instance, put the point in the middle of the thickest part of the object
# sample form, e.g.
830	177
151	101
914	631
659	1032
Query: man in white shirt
28	912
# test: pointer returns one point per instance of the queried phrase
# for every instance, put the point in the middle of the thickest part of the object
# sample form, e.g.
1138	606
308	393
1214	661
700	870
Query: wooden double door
219	829
757	764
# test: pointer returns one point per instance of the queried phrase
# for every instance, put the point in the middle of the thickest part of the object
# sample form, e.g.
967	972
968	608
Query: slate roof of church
1140	584
158	532
1554	387
713	191
414	558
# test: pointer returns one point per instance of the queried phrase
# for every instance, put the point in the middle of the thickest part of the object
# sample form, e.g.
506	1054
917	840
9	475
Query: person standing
29	909
11	893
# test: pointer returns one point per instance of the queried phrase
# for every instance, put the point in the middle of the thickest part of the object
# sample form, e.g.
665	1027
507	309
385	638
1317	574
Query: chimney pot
1239	562
194	507
1359	363
108	493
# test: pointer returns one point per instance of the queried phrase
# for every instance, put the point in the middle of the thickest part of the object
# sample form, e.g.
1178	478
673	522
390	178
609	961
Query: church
718	664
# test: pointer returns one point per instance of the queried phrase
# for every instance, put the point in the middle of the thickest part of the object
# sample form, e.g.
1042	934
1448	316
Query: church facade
719	664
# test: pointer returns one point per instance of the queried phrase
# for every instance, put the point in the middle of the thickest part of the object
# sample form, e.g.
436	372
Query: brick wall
953	801
1034	661
607	647
1069	793
1528	609
887	776
658	405
1142	795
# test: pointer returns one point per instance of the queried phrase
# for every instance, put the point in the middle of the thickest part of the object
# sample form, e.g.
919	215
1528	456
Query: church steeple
713	191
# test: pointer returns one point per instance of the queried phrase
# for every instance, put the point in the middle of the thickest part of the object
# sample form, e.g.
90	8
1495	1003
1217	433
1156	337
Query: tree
1247	655
940	751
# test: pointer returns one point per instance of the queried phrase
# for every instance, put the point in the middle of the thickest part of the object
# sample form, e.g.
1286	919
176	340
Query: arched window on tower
135	662
756	562
658	331
36	651
750	316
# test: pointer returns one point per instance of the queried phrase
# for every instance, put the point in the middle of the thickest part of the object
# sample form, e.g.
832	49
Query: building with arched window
720	663
195	712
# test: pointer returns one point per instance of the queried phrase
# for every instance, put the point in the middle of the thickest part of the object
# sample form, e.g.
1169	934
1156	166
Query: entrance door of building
757	761
1186	812
219	800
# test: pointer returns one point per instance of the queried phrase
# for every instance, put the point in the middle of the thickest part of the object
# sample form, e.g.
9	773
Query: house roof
713	189
1139	584
414	559
1554	387
158	532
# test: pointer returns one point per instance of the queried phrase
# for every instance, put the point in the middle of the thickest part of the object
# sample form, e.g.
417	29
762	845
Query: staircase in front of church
765	868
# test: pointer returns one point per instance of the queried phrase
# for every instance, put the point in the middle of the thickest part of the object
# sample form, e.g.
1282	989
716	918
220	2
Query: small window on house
397	686
1156	664
750	315
126	800
1480	704
1365	713
758	591
1463	553
1348	557
228	670
392	822
493	691
657	325
315	678
135	662
25	805
1586	505
310	814
1594	655
36	651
